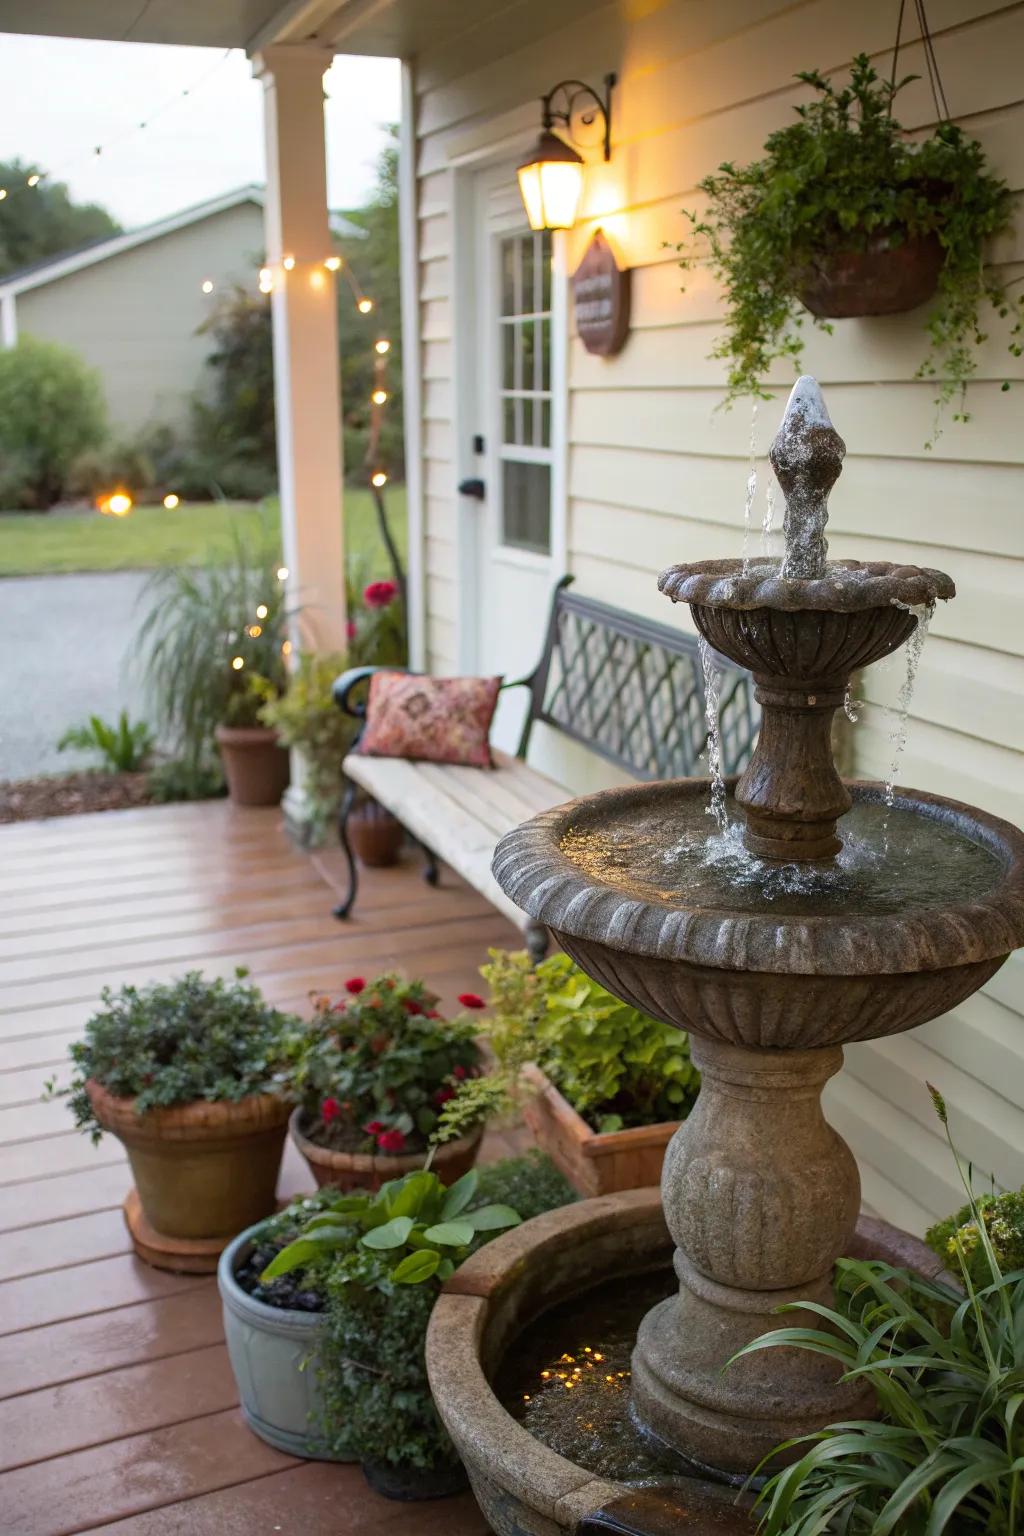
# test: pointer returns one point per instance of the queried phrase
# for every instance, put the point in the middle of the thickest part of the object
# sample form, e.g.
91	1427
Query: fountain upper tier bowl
923	905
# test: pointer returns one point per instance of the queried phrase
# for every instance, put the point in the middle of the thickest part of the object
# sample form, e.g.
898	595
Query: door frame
472	354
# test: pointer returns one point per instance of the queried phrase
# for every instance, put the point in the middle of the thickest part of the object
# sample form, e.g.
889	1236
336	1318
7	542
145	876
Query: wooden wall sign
601	290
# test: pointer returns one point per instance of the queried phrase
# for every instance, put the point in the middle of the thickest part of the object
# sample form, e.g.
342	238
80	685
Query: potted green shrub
846	215
188	1075
610	1085
326	1306
945	1455
372	1075
214	647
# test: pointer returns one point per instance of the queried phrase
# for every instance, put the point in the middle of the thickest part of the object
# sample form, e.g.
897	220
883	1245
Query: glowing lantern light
171	501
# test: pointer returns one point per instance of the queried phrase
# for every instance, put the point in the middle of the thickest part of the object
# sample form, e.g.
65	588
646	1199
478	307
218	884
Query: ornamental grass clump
947	1368
615	1065
180	1042
374	1071
846	177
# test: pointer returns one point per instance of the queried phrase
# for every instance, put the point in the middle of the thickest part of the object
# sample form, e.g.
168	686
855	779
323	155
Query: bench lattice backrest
633	691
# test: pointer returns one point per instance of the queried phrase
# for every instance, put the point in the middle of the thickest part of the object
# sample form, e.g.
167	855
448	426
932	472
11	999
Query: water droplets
924	614
768	521
751	488
712	695
851	706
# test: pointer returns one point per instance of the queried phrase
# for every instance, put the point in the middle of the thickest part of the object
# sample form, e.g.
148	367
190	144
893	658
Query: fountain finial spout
807	457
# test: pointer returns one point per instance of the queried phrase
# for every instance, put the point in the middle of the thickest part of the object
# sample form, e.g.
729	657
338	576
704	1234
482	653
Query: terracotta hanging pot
255	764
885	279
375	835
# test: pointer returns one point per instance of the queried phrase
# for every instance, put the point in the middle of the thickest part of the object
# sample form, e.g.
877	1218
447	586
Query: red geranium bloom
355	984
471	1000
459	1072
432	1013
411	1005
373	1127
391	1141
330	1109
350	629
379	594
442	1096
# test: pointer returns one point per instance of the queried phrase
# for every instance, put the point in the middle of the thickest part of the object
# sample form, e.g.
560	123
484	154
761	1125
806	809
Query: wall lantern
551	179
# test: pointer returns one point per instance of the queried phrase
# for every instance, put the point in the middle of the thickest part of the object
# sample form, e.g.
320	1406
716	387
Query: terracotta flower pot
255	766
202	1170
595	1163
883	280
369	1170
376	836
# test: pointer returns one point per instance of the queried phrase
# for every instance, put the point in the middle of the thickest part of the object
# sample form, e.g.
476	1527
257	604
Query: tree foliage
43	221
51	411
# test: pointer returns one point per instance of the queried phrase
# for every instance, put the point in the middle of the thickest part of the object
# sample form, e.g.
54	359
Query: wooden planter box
594	1164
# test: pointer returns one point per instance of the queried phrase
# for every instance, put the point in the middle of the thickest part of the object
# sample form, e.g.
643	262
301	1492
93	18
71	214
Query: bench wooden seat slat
629	689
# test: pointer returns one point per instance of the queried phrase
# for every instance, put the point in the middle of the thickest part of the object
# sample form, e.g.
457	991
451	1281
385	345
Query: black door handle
474	488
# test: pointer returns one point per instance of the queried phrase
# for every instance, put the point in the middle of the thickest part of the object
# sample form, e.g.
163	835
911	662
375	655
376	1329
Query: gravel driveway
66	644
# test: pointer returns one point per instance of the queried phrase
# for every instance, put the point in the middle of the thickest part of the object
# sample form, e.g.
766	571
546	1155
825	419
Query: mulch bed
71	794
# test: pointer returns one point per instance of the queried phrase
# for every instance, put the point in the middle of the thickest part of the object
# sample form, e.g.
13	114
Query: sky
61	97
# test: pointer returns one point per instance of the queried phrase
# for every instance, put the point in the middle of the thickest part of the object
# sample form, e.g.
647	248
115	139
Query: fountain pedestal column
761	1196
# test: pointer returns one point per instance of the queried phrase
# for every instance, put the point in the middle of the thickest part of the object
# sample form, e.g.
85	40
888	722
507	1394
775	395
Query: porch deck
118	1409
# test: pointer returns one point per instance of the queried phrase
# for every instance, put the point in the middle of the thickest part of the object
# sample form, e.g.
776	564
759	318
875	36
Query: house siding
656	475
136	316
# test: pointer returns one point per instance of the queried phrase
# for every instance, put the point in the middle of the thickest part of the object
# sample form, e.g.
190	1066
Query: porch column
307	391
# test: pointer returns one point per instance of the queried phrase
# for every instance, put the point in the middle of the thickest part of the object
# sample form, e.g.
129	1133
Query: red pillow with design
430	719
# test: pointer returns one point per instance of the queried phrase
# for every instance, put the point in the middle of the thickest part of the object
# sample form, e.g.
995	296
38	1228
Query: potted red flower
372	1075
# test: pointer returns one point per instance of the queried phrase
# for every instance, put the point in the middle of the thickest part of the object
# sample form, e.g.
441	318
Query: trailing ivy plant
840	179
177	1042
615	1065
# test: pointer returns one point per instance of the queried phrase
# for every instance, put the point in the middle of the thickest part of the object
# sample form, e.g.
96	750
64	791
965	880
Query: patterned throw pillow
433	719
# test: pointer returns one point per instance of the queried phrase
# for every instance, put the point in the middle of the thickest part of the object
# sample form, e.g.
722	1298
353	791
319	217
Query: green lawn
34	544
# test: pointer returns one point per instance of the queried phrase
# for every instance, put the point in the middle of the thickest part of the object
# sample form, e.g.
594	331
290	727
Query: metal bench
626	688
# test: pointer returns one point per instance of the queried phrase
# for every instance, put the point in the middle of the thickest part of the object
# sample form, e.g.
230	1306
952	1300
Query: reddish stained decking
118	1410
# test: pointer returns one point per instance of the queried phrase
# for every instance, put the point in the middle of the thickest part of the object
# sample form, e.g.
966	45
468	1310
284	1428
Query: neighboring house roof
53	267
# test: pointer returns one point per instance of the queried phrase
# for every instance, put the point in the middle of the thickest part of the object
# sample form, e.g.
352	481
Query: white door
519	432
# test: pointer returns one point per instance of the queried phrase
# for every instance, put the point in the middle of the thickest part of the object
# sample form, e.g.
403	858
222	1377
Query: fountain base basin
481	1320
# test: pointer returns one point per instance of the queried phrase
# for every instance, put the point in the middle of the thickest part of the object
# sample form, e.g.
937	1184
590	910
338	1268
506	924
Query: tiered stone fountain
825	913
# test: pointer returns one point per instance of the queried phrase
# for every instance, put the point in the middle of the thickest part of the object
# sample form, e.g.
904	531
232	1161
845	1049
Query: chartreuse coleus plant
177	1042
842	177
947	1367
615	1065
412	1229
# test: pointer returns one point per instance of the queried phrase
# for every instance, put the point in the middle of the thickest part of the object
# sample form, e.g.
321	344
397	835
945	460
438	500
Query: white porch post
305	330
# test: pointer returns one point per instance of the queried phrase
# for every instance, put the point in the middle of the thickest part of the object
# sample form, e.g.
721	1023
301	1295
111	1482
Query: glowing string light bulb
3	193
333	263
207	286
171	500
365	306
286	648
379	480
254	631
283	573
261	611
238	662
266	280
379	396
288	263
381	347
34	179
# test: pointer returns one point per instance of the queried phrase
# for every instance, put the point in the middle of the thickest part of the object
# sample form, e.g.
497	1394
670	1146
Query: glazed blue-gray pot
273	1355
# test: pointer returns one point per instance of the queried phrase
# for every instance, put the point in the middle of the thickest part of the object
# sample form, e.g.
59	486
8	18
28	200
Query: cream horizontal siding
656	472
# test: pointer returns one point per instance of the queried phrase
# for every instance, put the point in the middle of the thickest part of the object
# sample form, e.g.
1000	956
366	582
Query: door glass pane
544	266
526	506
526	247
508	277
508	357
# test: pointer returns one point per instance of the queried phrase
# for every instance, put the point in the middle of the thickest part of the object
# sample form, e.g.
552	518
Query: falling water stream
924	613
712	695
751	488
768	521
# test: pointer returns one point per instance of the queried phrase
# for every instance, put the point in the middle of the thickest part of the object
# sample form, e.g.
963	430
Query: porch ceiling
390	28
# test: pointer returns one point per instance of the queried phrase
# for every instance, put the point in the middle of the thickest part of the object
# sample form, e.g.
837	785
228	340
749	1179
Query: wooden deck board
117	1408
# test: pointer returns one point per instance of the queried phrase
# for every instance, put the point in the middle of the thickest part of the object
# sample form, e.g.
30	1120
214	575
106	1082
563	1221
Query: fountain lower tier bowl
921	907
571	1459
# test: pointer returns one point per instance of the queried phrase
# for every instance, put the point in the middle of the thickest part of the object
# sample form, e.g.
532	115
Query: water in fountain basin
712	695
915	645
877	873
567	1380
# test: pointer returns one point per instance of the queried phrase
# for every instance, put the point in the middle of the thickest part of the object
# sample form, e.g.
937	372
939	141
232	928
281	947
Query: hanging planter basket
886	279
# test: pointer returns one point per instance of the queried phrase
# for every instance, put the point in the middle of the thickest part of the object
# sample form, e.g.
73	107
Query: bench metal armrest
343	687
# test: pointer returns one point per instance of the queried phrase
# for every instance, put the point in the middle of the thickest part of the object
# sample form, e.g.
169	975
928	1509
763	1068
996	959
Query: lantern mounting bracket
563	108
